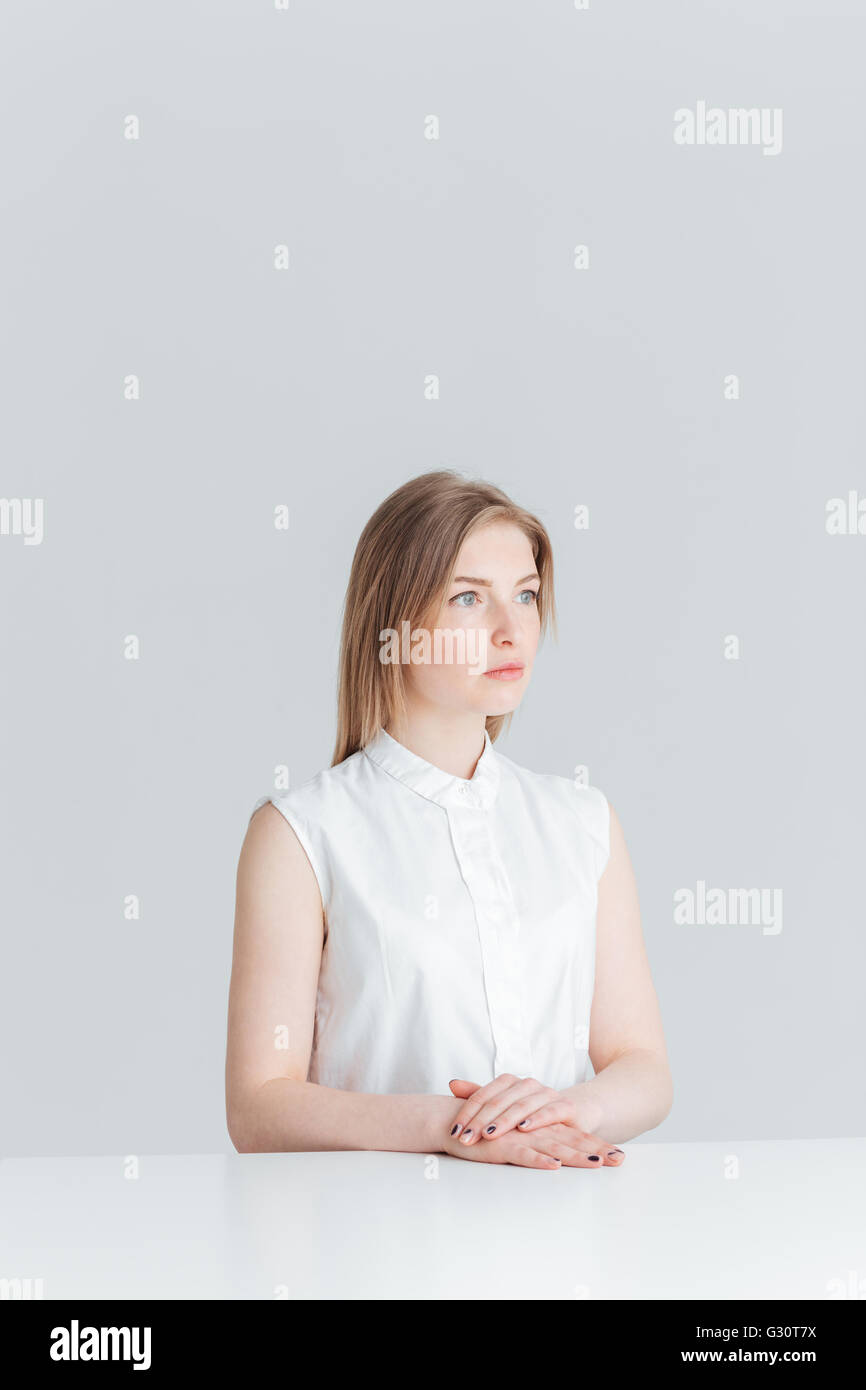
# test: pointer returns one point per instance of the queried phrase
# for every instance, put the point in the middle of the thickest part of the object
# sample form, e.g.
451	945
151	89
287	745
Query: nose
505	625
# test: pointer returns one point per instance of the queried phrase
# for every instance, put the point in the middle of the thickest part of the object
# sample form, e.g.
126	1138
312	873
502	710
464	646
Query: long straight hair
402	567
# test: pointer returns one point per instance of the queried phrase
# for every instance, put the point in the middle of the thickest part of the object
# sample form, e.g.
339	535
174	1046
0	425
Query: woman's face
488	621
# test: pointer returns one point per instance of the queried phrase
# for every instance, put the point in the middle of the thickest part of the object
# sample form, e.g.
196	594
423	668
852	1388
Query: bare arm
278	938
632	1090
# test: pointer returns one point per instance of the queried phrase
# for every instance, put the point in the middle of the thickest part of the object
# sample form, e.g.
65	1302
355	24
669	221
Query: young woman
432	942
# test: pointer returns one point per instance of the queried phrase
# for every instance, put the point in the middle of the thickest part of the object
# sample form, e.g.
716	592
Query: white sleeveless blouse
459	919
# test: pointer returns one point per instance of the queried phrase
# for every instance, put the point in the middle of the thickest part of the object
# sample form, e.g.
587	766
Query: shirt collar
476	792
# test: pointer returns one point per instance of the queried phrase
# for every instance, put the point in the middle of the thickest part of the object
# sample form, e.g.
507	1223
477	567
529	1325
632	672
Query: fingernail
611	1152
465	1135
490	1129
594	1158
524	1122
455	1129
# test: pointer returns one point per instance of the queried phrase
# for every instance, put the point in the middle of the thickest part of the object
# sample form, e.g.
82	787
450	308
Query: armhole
301	829
594	814
603	846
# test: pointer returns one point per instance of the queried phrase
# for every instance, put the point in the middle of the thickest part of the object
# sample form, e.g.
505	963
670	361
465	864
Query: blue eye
533	596
467	593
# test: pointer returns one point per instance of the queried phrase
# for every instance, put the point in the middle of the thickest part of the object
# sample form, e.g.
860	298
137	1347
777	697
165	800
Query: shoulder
314	808
584	803
310	799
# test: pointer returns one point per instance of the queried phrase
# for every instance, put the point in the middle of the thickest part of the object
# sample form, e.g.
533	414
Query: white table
668	1224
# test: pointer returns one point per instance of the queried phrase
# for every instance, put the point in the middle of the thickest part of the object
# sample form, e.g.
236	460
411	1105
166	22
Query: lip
510	671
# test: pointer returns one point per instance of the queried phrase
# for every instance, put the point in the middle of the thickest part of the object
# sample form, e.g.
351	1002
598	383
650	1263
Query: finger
611	1156
523	1112
485	1122
464	1121
513	1106
552	1112
463	1089
572	1157
562	1143
526	1157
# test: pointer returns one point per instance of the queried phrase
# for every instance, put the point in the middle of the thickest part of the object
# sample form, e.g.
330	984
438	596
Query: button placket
498	930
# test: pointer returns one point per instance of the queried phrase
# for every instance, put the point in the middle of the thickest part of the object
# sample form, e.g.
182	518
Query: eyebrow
470	579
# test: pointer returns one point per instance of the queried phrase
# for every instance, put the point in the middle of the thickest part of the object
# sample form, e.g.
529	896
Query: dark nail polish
490	1129
466	1133
594	1158
617	1151
455	1129
611	1152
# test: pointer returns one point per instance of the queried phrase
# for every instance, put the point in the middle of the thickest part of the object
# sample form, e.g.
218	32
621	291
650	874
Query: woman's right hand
551	1147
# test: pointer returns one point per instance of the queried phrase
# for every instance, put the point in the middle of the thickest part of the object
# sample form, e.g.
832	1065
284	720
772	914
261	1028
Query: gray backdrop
605	386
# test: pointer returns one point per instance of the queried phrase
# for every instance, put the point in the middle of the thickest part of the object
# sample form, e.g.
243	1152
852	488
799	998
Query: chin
502	701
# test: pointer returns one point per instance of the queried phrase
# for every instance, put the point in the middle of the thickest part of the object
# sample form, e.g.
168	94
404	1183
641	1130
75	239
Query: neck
450	740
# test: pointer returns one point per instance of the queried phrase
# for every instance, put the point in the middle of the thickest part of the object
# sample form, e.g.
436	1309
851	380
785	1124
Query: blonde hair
402	566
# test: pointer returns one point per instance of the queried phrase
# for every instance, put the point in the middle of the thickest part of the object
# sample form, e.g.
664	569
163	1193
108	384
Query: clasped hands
518	1120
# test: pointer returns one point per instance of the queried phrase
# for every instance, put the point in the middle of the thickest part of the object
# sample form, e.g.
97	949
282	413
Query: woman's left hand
510	1102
